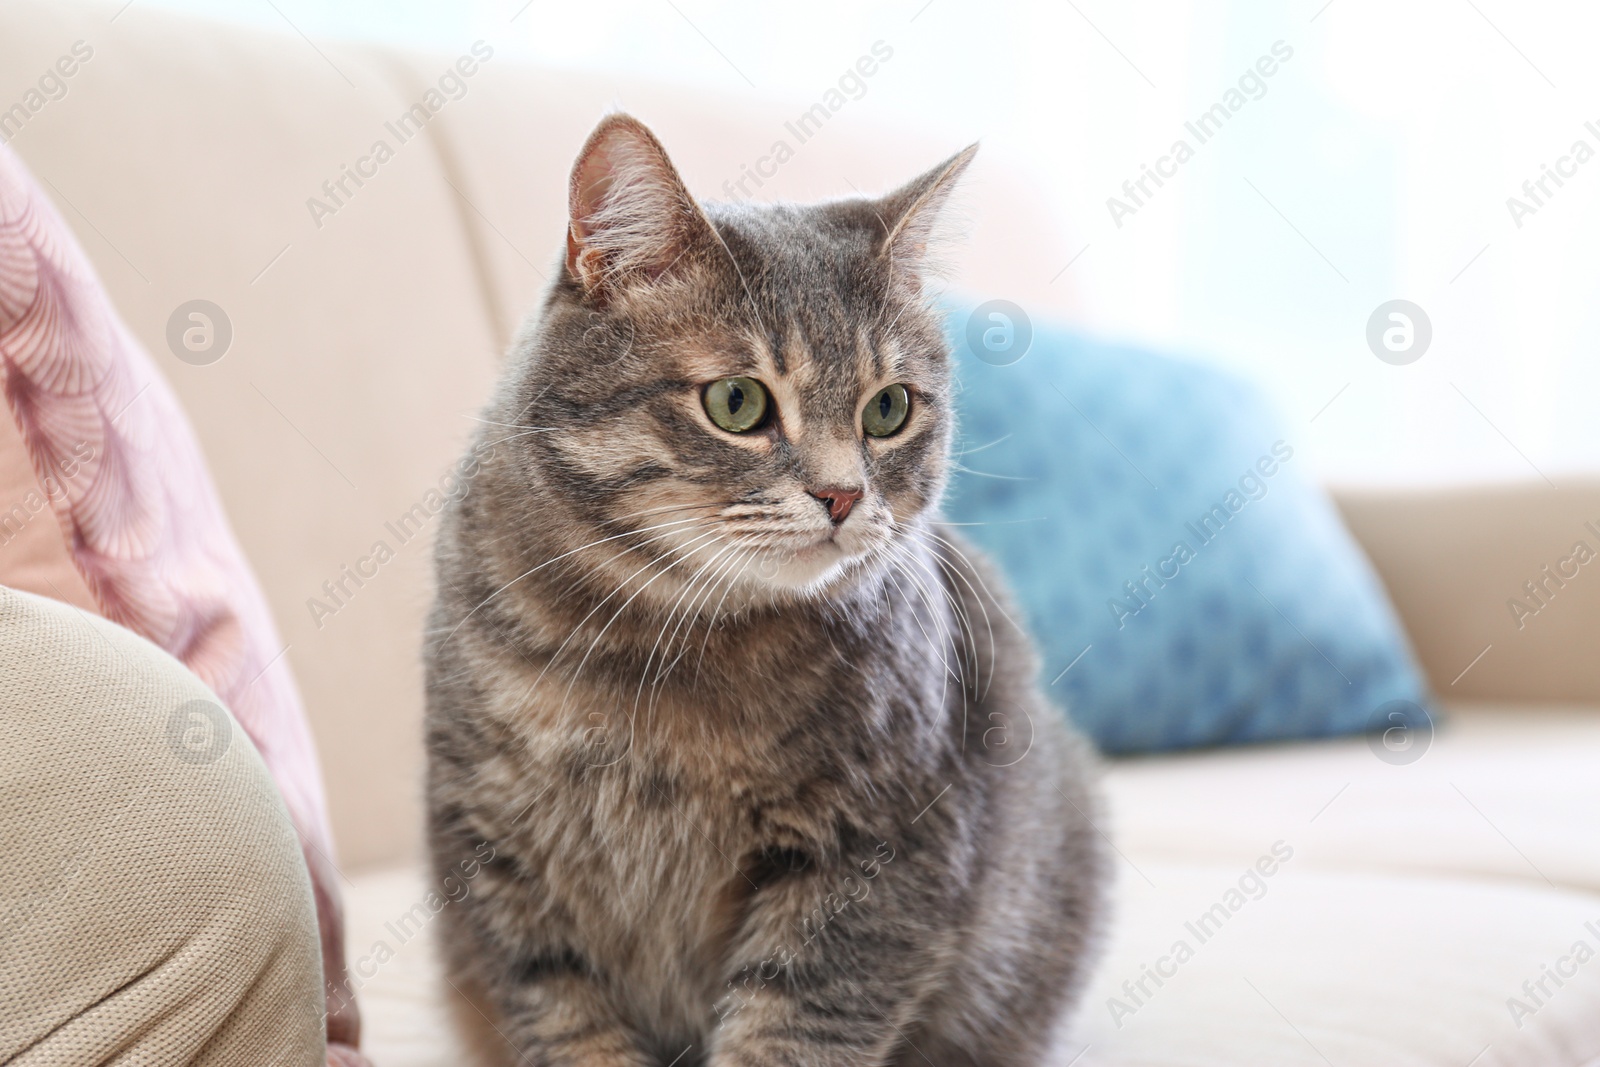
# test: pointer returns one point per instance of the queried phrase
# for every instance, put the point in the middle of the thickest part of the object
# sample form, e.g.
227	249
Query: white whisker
644	672
578	671
980	448
562	556
743	561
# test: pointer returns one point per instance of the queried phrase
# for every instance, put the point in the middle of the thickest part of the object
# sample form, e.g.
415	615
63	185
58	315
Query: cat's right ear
631	216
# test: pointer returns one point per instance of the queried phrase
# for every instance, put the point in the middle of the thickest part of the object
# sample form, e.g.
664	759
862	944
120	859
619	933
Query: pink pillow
137	510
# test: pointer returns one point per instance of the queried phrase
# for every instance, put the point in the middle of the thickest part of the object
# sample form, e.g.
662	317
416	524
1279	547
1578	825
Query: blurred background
1374	164
1382	214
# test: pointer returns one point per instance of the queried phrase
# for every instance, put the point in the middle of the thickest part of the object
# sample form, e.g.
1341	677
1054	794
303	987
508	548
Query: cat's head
761	393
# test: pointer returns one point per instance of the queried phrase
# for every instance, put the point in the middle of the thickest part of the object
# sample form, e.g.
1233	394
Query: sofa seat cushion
1360	968
1502	791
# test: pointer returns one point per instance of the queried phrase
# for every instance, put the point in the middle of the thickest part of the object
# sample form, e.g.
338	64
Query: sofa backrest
1499	585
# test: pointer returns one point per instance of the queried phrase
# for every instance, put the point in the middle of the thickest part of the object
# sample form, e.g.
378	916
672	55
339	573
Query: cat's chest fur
644	826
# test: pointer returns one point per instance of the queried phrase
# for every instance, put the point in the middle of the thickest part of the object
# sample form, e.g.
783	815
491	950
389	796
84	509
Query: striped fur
760	790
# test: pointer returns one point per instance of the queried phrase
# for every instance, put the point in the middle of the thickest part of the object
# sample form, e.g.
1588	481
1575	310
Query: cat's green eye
736	404
886	411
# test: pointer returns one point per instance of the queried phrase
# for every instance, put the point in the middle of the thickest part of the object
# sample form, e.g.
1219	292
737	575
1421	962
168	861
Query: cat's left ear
915	214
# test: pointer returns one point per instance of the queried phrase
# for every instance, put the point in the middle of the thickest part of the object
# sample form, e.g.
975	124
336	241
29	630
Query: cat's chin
802	570
800	574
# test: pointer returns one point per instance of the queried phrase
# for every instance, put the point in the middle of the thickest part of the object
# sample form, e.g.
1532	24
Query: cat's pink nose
837	501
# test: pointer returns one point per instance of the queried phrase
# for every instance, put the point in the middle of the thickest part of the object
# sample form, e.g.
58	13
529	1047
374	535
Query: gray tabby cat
750	738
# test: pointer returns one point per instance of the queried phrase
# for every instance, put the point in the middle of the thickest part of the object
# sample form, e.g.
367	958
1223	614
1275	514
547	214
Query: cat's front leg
564	1020
833	966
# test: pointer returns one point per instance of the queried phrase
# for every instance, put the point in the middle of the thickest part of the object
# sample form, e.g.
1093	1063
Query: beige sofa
1416	911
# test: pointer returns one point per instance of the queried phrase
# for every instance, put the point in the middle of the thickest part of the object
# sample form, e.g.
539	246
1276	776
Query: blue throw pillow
1186	580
